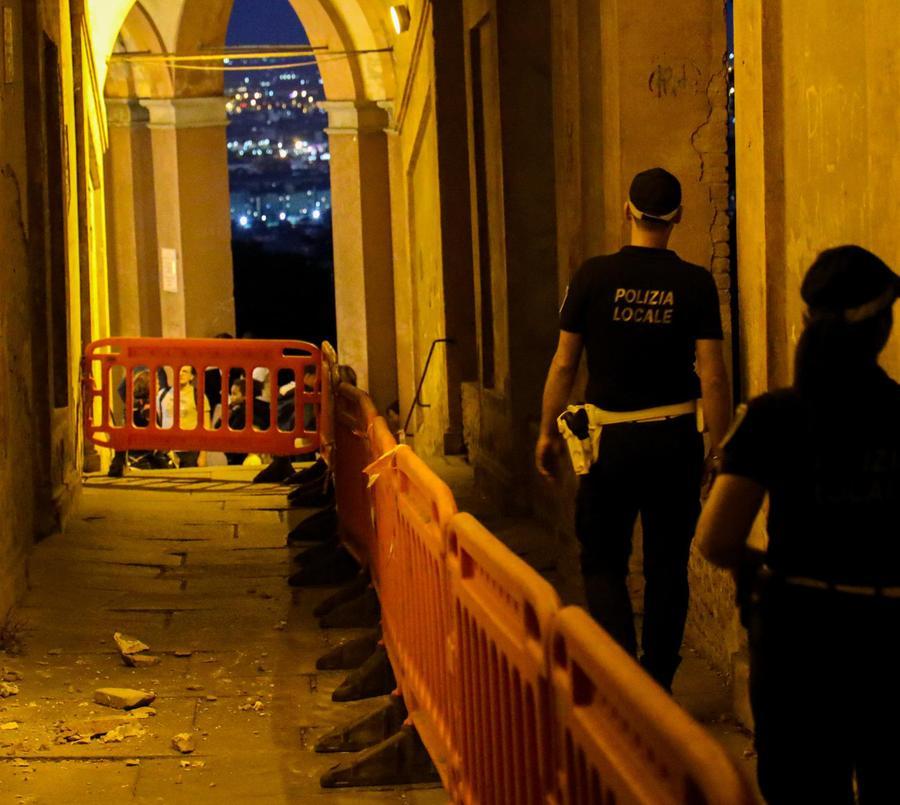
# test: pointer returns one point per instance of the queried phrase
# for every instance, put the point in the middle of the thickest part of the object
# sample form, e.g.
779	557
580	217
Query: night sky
265	22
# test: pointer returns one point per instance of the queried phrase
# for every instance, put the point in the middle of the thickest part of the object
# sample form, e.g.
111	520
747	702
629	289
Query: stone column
130	213
363	257
193	223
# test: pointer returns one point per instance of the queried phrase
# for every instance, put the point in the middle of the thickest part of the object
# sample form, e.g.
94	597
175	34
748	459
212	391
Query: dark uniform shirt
640	313
833	477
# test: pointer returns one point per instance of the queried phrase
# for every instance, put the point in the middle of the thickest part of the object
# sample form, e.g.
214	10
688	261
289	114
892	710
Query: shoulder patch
739	416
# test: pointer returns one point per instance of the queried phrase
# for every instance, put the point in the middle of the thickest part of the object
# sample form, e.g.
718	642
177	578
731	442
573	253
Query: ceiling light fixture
401	18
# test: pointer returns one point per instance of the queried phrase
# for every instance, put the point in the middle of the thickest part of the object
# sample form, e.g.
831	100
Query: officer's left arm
714	388
727	519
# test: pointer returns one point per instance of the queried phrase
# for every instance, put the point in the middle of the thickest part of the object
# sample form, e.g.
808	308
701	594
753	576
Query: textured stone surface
202	587
123	698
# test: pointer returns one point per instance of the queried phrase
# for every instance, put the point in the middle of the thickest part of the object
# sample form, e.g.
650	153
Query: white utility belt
588	421
851	589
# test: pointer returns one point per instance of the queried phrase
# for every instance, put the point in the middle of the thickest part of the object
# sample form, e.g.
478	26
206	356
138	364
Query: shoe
117	467
307	474
160	461
279	468
143	462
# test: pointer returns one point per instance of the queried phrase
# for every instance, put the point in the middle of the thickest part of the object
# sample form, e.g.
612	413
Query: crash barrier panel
502	614
382	447
354	414
619	737
330	379
115	416
413	588
515	699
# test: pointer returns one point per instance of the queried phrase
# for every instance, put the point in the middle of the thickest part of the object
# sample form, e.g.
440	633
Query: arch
187	26
139	34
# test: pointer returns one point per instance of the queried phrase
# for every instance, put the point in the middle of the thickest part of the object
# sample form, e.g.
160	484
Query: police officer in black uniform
823	615
645	318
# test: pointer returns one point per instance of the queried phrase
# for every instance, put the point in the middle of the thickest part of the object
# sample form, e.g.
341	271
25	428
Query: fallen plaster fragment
123	698
129	645
9	675
183	652
77	731
183	742
8	689
122	732
140	660
10	725
132	761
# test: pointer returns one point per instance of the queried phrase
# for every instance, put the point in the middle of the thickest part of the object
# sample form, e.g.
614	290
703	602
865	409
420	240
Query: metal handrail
417	403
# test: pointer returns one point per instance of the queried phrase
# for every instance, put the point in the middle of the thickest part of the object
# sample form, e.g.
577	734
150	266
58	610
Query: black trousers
651	468
825	693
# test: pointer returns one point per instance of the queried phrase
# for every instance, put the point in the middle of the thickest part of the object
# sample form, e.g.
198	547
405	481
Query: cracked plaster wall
635	88
39	446
16	431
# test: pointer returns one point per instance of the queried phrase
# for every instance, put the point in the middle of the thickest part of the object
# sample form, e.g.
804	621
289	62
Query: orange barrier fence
382	445
502	611
516	699
154	394
354	413
413	587
619	737
347	415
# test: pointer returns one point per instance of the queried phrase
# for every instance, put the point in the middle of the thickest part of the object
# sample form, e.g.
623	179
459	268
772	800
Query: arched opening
278	164
170	210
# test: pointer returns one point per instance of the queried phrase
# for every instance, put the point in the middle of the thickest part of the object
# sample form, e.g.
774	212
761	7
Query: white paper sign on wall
169	260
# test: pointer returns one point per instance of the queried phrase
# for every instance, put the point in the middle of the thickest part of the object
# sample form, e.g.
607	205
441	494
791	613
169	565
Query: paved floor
189	562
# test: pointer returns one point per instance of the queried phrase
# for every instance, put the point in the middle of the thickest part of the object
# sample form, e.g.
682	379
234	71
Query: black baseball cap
655	194
849	282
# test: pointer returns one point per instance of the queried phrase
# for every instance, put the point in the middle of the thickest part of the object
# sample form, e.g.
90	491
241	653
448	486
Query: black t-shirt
833	477
640	313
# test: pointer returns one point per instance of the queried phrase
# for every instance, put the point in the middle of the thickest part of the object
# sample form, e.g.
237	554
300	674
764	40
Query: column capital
124	112
353	117
186	113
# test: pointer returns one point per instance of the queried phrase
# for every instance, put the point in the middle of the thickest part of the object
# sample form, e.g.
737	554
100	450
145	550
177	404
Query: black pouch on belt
578	422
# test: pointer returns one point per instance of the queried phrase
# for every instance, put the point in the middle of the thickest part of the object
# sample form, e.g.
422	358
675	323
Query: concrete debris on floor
188	569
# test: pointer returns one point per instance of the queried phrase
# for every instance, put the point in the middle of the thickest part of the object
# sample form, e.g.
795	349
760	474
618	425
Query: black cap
850	282
655	194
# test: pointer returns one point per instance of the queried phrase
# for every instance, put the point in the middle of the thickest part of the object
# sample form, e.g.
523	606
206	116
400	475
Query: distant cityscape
277	152
278	165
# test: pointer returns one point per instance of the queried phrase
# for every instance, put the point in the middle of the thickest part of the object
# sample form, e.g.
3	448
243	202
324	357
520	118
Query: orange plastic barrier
384	502
517	700
619	737
115	364
326	417
354	413
502	613
413	588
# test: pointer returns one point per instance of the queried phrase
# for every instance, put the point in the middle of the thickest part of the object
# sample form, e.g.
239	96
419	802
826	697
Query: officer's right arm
557	389
727	519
